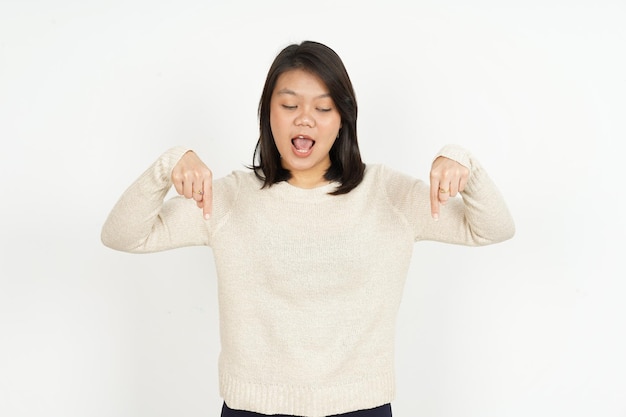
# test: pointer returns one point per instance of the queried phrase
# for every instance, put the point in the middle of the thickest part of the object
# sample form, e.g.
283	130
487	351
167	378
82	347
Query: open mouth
302	144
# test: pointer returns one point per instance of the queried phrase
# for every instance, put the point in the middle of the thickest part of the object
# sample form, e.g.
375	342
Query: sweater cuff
456	153
166	163
463	157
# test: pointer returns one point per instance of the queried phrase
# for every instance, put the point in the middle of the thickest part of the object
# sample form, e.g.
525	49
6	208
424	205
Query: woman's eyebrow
293	93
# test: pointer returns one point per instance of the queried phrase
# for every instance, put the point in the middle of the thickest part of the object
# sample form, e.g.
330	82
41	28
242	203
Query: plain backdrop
91	92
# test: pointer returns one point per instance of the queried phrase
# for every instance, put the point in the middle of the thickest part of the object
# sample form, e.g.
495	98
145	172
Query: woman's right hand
193	179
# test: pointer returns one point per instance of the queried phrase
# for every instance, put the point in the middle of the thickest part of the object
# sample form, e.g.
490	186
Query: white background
92	92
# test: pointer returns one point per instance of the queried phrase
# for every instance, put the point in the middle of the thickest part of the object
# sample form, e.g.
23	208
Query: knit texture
309	284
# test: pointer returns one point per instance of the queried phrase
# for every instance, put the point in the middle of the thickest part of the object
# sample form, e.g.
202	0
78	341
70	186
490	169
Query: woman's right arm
142	222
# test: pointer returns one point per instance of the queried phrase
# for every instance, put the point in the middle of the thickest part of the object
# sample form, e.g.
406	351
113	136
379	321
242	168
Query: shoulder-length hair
346	166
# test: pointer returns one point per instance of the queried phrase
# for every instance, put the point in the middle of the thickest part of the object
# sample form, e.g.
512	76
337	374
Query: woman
311	246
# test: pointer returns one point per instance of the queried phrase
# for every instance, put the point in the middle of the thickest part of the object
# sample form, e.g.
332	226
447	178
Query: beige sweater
309	284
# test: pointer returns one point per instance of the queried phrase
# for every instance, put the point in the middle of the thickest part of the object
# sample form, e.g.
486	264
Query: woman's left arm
480	217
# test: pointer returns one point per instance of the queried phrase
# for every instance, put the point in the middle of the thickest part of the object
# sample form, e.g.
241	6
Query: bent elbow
115	239
500	233
109	239
510	231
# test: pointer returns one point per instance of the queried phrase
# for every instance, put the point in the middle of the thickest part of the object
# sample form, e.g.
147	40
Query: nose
304	118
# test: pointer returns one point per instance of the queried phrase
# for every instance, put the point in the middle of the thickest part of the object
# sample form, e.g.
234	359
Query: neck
308	179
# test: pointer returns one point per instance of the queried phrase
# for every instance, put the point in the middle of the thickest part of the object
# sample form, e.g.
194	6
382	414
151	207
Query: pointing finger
434	199
207	198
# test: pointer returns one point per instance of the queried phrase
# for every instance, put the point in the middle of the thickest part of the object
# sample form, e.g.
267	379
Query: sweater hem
308	400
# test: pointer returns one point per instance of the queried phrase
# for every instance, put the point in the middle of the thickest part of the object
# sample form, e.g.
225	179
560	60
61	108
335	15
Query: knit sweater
309	284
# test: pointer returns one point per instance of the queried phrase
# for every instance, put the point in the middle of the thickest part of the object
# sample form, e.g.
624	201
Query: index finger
434	199
207	199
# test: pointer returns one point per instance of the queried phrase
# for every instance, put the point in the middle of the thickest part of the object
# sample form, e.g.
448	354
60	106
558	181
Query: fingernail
207	216
436	217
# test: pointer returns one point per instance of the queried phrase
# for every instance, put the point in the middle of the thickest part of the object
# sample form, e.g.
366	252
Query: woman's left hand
447	178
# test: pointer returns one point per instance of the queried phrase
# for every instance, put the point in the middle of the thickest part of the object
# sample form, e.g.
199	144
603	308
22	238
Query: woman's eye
324	109
288	107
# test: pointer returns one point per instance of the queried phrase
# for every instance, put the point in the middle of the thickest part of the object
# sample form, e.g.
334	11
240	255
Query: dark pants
382	411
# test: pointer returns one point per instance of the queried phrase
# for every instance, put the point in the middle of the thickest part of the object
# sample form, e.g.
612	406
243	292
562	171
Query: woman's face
305	124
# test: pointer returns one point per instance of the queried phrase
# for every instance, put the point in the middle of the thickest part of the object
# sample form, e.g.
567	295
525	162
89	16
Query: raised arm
435	211
479	217
142	222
